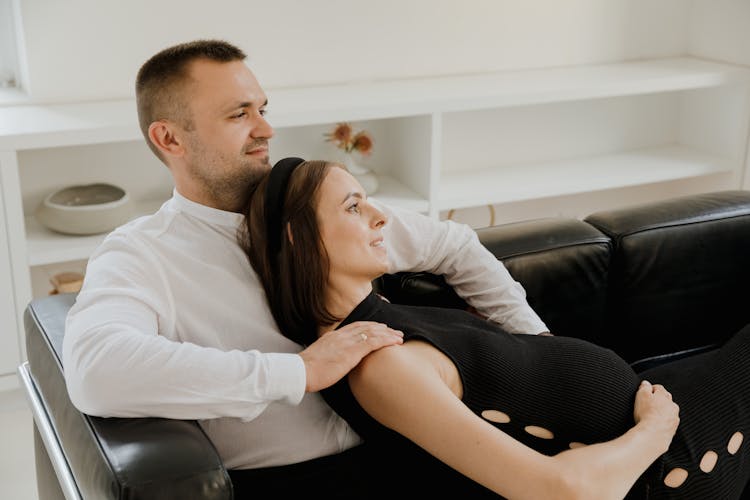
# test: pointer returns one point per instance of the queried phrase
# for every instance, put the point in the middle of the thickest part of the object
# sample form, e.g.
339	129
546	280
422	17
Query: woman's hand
335	353
656	412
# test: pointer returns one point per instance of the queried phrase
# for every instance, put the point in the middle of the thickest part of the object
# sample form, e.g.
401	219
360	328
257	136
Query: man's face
226	147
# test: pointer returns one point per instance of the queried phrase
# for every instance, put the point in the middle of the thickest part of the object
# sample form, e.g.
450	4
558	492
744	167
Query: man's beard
230	189
233	190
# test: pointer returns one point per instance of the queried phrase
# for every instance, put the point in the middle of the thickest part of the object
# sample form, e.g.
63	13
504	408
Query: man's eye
239	115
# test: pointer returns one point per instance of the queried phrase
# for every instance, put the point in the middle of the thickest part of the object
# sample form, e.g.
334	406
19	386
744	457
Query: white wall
91	49
720	29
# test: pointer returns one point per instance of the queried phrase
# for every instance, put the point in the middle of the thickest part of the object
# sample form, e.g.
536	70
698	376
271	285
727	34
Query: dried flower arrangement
344	137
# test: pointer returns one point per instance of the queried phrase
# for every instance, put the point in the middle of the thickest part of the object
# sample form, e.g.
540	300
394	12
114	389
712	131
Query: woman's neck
342	296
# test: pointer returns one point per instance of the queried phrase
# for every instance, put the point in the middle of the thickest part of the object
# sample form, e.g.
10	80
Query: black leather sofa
655	283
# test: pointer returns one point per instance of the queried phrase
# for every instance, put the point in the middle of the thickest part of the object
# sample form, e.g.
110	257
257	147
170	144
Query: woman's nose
379	219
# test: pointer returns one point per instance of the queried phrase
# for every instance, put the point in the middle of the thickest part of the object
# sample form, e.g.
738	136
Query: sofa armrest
114	457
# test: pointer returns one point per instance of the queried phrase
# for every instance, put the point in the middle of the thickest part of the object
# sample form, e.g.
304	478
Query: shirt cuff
531	324
289	376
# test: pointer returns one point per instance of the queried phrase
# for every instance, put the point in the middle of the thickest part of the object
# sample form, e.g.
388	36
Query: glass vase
364	175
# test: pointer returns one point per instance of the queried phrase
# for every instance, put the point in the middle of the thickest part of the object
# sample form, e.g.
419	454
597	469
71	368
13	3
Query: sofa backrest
679	273
563	266
645	281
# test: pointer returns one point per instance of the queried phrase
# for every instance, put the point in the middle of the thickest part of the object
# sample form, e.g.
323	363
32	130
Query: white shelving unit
441	143
47	247
542	180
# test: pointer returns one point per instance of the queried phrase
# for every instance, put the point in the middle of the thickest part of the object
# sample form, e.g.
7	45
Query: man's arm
116	364
419	243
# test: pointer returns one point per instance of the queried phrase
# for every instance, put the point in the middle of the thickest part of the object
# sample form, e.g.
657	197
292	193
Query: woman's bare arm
407	391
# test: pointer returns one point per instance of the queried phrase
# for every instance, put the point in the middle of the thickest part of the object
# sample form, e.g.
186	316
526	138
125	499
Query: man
172	322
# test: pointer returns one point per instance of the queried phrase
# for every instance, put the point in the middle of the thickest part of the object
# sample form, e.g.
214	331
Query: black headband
275	192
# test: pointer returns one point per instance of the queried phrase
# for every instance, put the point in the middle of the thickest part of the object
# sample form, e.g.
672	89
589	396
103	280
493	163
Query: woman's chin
378	273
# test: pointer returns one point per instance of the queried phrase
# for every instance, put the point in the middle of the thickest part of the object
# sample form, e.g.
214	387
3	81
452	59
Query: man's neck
204	198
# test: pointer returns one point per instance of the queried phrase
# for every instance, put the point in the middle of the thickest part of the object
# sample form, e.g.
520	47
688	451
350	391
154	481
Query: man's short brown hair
158	86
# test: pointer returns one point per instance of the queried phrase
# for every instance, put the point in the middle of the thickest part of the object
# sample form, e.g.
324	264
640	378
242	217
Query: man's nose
261	129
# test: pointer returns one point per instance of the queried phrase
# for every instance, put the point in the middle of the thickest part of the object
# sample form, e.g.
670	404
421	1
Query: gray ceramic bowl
86	209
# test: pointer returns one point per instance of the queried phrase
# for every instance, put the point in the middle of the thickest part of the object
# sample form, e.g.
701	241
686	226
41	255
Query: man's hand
335	353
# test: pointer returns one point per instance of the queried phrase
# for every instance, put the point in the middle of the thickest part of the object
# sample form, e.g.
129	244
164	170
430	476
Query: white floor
17	477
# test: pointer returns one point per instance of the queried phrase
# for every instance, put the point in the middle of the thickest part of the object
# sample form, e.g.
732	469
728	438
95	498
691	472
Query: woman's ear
289	233
162	135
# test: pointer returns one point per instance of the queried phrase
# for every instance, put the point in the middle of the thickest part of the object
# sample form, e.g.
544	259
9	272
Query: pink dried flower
362	142
341	135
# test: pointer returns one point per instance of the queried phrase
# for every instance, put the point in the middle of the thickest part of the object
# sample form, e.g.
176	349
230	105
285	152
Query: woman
524	416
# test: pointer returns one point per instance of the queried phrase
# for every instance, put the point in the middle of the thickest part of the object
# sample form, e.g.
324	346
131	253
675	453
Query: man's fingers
377	330
375	337
330	358
365	329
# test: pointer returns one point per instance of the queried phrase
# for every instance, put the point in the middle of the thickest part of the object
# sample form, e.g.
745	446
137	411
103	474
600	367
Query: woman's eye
354	208
262	112
239	115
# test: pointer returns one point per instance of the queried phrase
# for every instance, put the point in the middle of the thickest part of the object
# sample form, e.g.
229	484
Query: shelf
47	126
41	126
292	107
48	247
392	193
525	182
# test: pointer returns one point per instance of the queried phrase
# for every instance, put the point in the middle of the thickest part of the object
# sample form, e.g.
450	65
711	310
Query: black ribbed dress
580	392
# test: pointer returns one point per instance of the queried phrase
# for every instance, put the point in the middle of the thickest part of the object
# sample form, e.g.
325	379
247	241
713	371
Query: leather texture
146	458
679	272
563	266
655	282
561	263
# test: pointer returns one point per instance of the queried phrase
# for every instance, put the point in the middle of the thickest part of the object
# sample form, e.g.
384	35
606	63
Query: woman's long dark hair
294	281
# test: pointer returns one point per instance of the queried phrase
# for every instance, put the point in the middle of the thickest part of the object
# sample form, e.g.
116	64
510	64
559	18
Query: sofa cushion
563	266
680	272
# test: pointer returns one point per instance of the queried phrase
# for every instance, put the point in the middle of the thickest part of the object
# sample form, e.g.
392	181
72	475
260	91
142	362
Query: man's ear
289	233
163	135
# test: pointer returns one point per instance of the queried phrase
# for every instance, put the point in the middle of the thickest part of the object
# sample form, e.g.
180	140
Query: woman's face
351	228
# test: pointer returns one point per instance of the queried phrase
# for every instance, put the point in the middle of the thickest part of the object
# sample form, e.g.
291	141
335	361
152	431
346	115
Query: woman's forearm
609	469
405	389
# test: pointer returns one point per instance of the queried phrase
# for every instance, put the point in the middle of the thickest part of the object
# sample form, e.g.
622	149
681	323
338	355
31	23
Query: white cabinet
525	138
